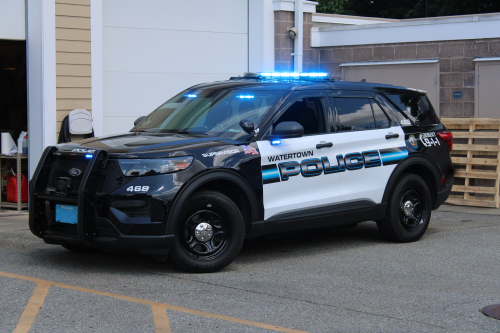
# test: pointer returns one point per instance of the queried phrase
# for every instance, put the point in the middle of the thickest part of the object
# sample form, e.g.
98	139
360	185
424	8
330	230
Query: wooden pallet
475	157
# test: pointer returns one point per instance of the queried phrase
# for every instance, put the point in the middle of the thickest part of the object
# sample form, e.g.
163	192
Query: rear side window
356	114
417	109
380	116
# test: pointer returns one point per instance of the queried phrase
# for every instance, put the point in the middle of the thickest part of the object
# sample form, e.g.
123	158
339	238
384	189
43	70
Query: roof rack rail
277	76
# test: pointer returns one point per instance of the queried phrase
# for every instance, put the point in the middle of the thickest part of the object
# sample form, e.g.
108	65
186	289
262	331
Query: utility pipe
298	42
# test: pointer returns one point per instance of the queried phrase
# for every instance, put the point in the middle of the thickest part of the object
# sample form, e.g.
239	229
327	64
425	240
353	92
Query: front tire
210	234
408	210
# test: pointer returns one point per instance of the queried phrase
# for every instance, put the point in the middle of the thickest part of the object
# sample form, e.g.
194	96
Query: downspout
298	42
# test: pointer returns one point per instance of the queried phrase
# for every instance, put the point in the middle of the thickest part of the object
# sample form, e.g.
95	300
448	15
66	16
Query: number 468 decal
137	188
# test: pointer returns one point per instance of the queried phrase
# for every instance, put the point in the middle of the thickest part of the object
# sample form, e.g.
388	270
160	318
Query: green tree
331	6
401	9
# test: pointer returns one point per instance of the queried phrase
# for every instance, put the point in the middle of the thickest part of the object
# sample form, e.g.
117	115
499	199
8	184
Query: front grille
62	165
112	178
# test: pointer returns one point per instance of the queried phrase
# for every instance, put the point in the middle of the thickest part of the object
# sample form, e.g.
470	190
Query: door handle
324	145
392	136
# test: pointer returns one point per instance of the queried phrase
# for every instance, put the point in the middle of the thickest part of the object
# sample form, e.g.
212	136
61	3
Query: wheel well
426	175
235	193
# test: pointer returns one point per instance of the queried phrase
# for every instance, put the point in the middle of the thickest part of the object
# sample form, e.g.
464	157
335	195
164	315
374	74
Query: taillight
447	136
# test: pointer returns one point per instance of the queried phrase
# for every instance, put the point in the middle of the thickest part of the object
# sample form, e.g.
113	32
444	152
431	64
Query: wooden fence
475	157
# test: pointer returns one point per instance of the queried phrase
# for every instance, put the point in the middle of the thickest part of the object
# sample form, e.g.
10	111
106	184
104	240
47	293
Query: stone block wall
283	45
456	65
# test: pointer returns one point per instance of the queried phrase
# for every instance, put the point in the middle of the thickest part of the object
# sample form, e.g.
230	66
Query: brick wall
457	69
456	66
283	45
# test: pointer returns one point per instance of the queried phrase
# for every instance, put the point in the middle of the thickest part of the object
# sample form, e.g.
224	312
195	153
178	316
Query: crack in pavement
309	302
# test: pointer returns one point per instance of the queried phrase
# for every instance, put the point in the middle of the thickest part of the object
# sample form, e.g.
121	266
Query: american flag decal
249	150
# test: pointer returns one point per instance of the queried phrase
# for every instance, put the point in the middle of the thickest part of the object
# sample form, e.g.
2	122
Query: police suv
251	156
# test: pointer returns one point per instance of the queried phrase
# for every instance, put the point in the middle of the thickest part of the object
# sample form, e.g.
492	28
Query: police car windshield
214	112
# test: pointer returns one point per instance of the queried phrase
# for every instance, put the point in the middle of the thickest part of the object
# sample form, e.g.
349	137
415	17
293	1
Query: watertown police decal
273	173
284	157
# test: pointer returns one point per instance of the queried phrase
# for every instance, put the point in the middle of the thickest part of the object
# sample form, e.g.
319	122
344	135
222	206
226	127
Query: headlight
146	167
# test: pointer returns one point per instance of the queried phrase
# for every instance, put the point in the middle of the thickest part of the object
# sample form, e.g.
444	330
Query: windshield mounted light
88	156
190	96
147	167
245	96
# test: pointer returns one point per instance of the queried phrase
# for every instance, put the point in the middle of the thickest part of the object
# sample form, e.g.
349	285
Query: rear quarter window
417	108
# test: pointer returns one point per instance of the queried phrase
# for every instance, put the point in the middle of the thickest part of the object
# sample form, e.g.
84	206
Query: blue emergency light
190	96
293	75
245	96
275	142
88	156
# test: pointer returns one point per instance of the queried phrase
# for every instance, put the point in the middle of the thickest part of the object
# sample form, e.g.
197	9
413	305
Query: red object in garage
12	189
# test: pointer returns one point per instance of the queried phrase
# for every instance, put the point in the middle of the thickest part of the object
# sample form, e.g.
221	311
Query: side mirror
287	130
138	120
247	126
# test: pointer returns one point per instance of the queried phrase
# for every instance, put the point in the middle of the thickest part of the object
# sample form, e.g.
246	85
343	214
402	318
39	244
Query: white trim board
441	29
375	63
347	19
96	60
41	78
487	59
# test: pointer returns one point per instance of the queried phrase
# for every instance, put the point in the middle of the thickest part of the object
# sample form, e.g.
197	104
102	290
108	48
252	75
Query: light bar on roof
293	75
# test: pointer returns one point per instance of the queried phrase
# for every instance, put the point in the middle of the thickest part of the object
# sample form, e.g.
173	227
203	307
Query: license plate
66	214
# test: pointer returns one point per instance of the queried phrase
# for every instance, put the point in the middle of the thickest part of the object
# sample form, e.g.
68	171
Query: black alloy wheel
205	235
411	213
408	210
210	235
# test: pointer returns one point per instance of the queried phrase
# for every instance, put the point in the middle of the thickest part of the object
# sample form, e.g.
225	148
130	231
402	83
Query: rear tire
210	233
81	249
408	210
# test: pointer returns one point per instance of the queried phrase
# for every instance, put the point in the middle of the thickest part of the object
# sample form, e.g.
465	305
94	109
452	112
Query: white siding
153	49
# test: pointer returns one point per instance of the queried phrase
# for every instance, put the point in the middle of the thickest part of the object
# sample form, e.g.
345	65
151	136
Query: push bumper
91	230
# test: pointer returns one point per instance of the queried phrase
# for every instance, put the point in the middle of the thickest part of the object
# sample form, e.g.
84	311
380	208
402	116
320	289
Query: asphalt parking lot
332	280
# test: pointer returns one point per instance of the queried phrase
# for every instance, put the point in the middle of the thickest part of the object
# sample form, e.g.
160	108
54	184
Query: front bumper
102	210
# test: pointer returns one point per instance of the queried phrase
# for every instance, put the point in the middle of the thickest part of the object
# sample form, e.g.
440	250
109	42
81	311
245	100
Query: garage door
153	49
421	76
487	89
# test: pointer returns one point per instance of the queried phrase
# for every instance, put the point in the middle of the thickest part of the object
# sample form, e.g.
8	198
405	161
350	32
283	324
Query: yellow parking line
161	319
34	304
151	303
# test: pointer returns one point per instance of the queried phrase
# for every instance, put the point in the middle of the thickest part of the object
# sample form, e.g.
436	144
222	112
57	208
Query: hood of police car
143	142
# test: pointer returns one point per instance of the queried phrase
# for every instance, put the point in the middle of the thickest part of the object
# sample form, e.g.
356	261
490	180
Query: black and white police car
251	156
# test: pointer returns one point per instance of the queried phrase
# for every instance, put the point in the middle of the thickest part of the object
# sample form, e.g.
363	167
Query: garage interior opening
13	90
